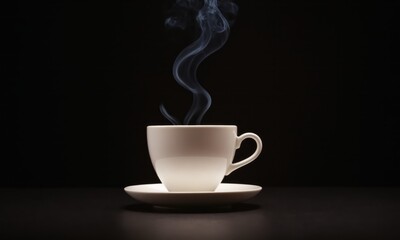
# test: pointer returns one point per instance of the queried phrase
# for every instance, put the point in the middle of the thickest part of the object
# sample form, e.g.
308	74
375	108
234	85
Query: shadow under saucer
238	207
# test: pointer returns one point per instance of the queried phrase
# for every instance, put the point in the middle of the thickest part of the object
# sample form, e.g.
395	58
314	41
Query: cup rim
191	126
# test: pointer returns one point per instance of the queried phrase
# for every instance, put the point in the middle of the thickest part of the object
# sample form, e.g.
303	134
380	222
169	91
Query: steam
214	33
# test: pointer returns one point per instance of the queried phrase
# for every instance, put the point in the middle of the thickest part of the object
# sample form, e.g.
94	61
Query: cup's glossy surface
195	157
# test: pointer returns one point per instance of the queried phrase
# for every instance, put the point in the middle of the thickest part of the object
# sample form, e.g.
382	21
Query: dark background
317	80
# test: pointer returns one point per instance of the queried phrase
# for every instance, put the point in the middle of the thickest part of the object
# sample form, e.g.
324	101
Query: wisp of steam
214	33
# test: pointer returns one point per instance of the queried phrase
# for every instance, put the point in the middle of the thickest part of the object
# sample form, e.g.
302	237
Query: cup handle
233	166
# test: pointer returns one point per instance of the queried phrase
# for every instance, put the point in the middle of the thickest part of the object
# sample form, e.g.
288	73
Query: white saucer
225	194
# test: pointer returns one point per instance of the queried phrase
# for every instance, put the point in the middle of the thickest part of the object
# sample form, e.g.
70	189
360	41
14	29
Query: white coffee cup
196	157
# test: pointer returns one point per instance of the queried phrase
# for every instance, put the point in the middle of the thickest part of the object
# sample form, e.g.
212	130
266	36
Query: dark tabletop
276	213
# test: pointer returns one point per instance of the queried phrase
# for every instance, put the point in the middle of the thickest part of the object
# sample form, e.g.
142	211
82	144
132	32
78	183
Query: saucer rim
256	188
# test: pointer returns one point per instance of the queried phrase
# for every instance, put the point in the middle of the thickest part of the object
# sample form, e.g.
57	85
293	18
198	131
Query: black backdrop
317	80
